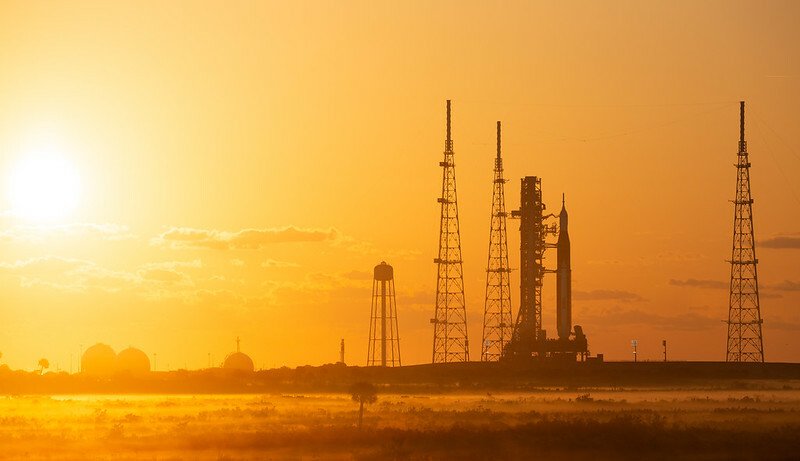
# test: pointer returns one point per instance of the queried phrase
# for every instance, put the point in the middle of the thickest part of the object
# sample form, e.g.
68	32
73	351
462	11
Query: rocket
563	277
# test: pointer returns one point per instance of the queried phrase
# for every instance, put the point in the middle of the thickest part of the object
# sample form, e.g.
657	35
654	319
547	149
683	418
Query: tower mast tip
448	121
498	139
741	121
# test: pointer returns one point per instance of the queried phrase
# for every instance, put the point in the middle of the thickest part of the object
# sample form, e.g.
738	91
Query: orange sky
244	165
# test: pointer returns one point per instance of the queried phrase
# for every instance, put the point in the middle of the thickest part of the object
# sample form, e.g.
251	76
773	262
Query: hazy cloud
49	264
79	276
782	242
422	300
173	265
273	264
671	256
245	239
358	275
700	283
83	230
666	257
690	321
163	275
786	285
67	274
777	323
606	295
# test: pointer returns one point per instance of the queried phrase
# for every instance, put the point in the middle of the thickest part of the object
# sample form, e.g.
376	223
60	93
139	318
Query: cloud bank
245	239
606	295
782	242
700	283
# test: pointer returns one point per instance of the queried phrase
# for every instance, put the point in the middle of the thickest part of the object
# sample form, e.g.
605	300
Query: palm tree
43	363
363	393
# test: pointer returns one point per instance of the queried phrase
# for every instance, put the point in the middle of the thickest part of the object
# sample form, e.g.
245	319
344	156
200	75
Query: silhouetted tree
363	393
43	363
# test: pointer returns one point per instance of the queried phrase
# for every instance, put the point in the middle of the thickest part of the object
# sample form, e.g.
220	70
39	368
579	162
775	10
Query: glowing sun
43	187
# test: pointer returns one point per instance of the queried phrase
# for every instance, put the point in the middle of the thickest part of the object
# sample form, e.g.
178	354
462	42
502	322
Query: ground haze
549	423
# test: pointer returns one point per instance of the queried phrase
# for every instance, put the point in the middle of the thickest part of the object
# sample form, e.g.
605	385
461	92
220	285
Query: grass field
546	424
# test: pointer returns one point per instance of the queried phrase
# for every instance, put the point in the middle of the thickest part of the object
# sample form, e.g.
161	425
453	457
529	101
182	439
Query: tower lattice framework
497	314
534	228
745	343
450	342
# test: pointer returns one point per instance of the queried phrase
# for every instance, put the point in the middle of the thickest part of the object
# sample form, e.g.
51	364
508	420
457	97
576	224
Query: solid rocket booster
563	278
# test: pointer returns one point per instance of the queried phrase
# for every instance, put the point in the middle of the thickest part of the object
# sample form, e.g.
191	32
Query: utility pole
664	343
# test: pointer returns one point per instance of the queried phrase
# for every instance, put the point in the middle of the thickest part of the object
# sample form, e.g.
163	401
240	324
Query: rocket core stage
563	277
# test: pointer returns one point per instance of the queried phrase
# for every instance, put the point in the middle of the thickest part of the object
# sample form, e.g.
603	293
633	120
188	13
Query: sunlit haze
214	170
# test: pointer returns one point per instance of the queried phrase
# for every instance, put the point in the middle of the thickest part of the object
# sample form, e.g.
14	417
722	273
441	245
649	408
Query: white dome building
99	359
238	361
132	361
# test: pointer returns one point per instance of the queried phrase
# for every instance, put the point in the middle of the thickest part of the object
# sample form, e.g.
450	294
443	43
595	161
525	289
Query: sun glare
43	187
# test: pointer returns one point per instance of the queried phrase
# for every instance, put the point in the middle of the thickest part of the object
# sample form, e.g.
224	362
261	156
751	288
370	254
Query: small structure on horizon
100	360
384	340
132	361
238	360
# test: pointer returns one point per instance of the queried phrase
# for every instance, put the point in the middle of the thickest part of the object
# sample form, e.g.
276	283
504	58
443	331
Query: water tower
384	342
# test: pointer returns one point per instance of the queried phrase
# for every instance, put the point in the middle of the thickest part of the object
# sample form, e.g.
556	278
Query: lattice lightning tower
450	343
497	317
745	343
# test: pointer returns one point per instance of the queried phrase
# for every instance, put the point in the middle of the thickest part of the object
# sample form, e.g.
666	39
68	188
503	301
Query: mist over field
555	424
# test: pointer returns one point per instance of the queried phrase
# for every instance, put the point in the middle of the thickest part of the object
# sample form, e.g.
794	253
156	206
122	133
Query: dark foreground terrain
461	377
547	424
611	411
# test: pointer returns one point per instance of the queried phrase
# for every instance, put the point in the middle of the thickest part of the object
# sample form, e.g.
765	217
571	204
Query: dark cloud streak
245	239
699	283
606	295
782	242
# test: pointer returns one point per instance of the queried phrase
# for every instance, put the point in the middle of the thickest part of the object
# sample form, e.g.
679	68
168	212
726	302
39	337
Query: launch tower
529	339
533	230
450	343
